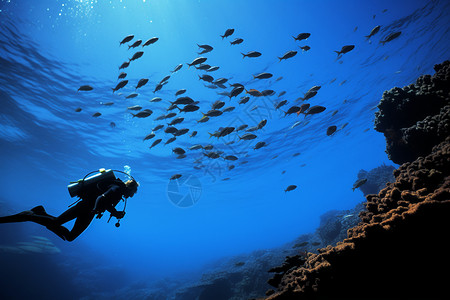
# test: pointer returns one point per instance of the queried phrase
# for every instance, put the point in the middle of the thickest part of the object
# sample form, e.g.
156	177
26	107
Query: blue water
48	49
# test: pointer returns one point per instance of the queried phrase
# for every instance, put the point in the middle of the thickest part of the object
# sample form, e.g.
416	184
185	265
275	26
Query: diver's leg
37	215
81	223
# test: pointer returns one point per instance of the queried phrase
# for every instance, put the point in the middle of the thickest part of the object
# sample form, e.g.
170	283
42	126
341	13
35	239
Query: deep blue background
48	49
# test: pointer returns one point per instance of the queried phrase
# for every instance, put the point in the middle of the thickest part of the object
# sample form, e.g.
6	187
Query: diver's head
131	188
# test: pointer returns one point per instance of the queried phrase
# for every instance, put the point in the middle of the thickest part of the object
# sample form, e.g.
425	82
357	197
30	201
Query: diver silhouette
97	194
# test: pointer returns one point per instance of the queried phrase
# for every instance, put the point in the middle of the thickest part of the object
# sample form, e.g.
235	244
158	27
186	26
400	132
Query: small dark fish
142	82
391	37
292	110
158	127
227	33
171	130
156	142
262	124
228	109
212	154
170	115
220	81
164	79
122	75
156	99
120	85
183	100
309	94
203	119
176	176
78	109
177	68
150	41
287	55
282	93
244	100
290	188
203	67
268	93
304	107
302	36
158	87
231	157
217	105
345	49
124	65
206	49
259	145
176	121
197	61
194	133
143	114
315	88
179	92
299	245
254	92
239	264
127	39
251	54
189	108
135	107
135	44
149	136
206	78
242	127
112	124
262	76
132	95
331	130
359	183
236	91
225	131
212	69
305	48
137	55
213	113
280	104
97	114
236	41
314	110
247	136
172	139
85	88
373	32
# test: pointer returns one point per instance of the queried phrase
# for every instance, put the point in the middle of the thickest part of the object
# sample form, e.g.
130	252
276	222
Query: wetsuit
84	211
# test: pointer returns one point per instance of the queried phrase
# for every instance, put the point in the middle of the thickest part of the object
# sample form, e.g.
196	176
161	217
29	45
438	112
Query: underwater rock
416	117
399	247
376	179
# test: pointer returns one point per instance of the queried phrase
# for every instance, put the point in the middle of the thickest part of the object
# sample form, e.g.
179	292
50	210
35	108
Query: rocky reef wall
398	249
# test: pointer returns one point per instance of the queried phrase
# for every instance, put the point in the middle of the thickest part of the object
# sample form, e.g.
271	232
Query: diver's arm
106	201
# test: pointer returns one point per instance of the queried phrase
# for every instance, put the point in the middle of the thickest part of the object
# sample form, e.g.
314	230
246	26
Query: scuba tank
90	185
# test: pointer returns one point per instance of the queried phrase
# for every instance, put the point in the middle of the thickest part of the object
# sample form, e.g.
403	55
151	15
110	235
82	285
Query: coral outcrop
416	117
398	249
376	179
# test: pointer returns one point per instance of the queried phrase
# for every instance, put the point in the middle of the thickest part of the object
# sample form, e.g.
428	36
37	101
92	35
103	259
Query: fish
299	245
208	147
315	88
254	108
304	107
315	110
302	36
280	104
253	128
196	147
149	136
248	136
176	176
176	121
183	100
156	142
332	129
268	93
259	145
213	113
212	69
158	127
263	75
225	131
112	124
206	48
161	117
262	124
240	263
305	48
194	133
231	157
228	109
309	94
158	87
120	85
150	41
251	54
281	93
227	33
391	37
220	81
78	109
287	55
206	78
135	44
189	108
172	139
358	183
179	92
124	65
236	91
242	127
292	110
132	95
315	243
254	92
143	114
97	114
373	32
197	61
290	188
85	88
212	154
127	39
217	105
165	79
296	124
203	119
236	41
345	49
135	107
177	68
136	55
244	100
156	99
122	75
171	130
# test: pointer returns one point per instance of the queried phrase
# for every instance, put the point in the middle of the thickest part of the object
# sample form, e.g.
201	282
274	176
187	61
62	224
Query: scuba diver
97	194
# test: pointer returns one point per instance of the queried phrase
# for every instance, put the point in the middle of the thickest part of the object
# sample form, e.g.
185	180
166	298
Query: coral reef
416	117
376	179
399	248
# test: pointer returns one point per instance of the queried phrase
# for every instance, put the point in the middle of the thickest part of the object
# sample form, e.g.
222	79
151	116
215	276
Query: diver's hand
119	214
